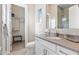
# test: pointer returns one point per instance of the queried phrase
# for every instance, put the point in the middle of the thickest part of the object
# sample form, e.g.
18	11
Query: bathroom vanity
47	45
67	25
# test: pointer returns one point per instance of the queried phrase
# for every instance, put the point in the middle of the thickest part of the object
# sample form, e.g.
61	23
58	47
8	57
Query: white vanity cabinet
44	47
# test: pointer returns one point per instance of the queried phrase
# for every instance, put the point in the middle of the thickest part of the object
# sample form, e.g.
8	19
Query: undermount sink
56	38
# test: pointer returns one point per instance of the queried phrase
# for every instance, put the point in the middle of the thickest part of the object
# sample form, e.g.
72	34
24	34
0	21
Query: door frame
7	12
26	21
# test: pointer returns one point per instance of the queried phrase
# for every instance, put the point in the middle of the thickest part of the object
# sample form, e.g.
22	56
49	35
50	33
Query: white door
0	29
4	29
9	26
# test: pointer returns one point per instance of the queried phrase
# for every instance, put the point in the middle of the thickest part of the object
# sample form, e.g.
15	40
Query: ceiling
65	5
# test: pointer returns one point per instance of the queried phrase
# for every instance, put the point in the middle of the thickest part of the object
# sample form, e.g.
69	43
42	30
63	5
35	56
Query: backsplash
69	34
66	31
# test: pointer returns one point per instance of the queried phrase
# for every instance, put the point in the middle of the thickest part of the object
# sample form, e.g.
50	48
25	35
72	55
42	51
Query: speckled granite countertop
61	42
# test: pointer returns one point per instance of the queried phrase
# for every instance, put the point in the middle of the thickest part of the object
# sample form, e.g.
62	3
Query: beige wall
31	29
51	9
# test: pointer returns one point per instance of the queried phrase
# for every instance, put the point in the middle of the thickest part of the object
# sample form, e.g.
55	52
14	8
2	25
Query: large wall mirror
65	16
68	16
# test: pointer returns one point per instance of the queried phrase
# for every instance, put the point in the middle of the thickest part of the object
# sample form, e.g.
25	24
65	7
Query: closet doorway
18	27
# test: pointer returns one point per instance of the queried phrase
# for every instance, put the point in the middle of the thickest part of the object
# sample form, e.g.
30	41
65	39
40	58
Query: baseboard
31	43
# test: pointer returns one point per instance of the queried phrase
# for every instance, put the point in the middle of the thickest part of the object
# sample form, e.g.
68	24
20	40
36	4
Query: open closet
18	27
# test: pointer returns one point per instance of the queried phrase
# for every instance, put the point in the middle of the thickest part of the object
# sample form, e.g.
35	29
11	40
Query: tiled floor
17	46
30	50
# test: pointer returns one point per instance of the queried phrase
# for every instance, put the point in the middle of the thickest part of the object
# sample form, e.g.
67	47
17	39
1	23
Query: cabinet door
44	48
65	51
48	45
39	48
50	52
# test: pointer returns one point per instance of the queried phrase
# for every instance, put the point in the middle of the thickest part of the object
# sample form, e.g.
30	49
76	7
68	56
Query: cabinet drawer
38	47
49	45
65	51
50	52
